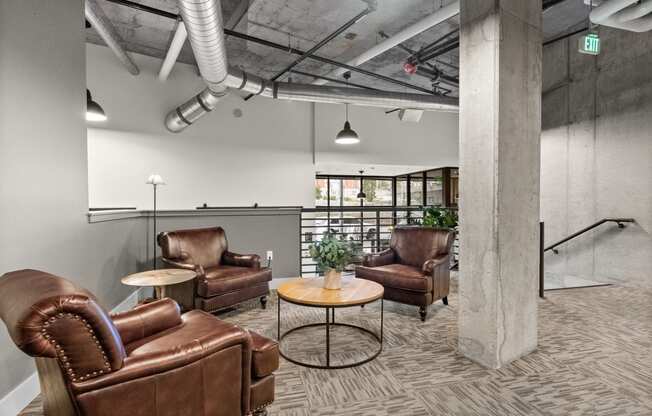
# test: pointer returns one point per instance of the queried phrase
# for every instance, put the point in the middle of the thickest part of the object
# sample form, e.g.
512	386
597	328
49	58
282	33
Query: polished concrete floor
594	358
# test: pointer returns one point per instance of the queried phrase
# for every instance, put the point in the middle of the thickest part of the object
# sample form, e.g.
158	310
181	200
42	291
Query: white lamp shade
155	179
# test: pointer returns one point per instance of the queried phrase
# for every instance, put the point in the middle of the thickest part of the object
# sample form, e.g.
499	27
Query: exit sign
590	44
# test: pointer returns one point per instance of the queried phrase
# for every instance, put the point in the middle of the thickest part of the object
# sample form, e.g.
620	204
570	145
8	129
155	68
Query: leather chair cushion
199	335
265	355
223	279
399	276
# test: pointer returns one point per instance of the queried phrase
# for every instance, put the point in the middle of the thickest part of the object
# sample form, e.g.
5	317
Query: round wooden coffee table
310	292
159	279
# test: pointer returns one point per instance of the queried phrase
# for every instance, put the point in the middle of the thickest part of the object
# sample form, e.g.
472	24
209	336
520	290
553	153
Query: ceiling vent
410	115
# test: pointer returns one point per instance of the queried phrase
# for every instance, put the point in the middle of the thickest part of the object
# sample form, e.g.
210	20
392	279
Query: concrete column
500	127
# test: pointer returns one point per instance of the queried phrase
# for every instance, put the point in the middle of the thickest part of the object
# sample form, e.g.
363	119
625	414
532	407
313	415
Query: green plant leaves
332	253
439	217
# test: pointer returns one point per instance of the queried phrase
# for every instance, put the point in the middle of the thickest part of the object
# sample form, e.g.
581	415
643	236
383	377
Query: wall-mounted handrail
619	221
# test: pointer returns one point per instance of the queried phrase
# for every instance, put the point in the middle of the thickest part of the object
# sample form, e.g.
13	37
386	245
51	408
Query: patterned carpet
594	358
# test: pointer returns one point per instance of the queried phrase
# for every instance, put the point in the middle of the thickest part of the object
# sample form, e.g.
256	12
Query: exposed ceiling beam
337	81
319	45
324	60
270	44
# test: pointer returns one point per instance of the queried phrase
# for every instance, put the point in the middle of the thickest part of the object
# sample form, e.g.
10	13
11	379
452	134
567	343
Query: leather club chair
223	278
147	361
414	269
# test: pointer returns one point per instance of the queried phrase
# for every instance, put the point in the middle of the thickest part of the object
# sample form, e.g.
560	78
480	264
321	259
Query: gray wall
248	231
43	172
596	156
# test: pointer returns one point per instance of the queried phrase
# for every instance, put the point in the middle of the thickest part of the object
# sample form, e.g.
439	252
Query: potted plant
332	254
439	217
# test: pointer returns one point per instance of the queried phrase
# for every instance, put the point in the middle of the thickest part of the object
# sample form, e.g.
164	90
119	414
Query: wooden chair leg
423	311
56	399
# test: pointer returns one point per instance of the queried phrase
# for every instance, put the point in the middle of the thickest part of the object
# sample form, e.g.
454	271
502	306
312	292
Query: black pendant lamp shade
94	112
361	194
347	135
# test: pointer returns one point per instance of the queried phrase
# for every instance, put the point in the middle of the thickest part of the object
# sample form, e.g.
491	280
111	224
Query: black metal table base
330	322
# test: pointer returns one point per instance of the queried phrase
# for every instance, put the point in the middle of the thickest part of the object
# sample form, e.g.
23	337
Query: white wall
596	156
432	142
265	156
43	172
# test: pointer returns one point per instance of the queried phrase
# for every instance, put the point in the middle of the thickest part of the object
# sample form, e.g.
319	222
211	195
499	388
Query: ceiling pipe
178	40
631	15
203	20
429	21
102	25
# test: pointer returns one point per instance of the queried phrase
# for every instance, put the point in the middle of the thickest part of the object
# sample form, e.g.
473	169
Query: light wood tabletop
310	291
159	279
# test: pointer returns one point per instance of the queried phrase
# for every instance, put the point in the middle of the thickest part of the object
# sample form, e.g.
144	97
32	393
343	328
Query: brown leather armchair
147	361
415	269
223	278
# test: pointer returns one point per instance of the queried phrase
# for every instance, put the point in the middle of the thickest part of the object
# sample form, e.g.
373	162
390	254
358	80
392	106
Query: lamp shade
347	135
94	111
361	195
155	179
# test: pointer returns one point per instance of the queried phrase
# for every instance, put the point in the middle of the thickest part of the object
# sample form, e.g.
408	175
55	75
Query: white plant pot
332	279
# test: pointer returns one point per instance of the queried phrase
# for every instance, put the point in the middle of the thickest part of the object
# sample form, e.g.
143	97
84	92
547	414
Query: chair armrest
148	319
184	264
242	260
186	352
382	258
430	265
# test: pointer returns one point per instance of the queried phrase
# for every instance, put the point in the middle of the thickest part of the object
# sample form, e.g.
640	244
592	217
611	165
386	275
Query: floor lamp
154	180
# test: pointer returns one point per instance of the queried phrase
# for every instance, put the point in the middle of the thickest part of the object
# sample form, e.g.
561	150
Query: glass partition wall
367	222
427	188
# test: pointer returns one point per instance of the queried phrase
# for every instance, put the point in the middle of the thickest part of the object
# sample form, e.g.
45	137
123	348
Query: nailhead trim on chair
63	358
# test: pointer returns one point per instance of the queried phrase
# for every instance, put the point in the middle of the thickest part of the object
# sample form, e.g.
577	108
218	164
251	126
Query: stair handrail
620	221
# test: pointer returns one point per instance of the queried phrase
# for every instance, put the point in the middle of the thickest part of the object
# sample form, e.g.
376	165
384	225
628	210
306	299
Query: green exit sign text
590	44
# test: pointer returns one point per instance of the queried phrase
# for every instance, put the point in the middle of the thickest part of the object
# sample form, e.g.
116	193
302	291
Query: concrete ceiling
303	23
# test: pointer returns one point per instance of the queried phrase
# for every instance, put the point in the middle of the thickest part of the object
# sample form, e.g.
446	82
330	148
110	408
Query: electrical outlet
270	255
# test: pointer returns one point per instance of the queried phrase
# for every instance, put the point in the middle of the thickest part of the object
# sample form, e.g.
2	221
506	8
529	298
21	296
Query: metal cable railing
369	229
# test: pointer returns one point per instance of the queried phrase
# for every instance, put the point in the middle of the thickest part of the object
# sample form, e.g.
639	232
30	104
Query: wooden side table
159	279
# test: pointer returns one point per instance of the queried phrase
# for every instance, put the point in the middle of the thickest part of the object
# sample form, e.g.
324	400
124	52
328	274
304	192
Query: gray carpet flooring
594	358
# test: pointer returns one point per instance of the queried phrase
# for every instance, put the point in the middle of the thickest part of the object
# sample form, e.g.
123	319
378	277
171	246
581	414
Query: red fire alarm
409	68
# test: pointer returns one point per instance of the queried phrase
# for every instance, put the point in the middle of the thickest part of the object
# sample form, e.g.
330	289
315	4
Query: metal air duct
203	20
631	15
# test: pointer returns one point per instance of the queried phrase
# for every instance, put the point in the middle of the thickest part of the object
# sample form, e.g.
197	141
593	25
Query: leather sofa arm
242	260
439	261
184	264
147	364
264	355
148	319
382	258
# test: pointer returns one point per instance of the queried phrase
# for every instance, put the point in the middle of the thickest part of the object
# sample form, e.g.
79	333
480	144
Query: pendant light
94	111
347	135
361	194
